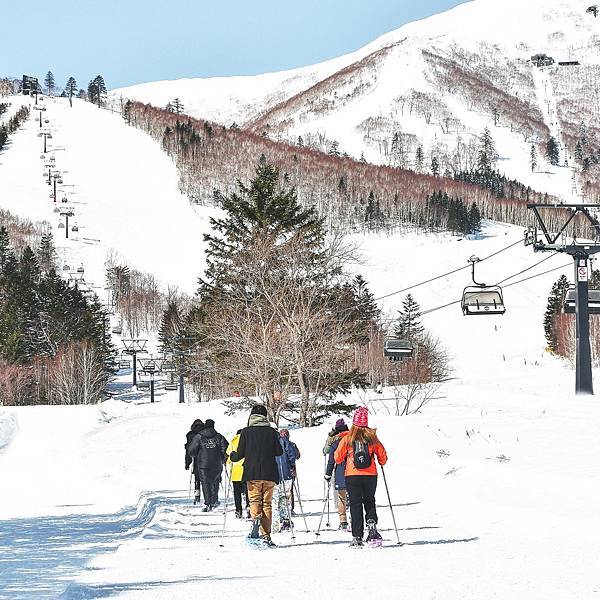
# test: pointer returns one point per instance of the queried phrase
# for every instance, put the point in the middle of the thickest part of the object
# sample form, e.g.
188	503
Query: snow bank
8	429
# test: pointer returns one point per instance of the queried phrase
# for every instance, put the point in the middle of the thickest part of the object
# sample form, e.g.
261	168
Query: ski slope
122	188
494	486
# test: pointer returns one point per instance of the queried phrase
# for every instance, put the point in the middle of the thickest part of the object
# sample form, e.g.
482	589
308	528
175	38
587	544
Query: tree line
54	343
12	125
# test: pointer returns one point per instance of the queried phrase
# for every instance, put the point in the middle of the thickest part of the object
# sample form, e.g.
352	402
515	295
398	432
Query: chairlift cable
527	269
467	266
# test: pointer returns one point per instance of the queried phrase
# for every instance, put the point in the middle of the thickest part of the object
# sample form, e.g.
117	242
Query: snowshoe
286	525
356	543
268	542
374	539
343	527
254	539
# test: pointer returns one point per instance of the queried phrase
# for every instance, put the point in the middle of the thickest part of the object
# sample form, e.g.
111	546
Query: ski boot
374	539
356	543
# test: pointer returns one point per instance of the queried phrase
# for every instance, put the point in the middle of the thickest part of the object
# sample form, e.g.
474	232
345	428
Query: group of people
262	462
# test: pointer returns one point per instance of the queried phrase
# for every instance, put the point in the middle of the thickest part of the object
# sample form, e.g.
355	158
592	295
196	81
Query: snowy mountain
435	83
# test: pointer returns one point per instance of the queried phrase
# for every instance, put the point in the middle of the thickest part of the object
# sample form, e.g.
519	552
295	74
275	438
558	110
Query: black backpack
362	456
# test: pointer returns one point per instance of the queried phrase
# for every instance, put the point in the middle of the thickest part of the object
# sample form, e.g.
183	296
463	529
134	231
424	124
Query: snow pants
260	493
239	489
210	485
361	492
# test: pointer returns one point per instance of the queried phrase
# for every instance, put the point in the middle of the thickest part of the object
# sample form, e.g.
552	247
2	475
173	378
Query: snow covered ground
494	486
122	188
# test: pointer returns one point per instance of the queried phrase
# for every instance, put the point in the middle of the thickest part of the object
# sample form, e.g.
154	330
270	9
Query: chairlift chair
171	387
75	229
66	267
143	384
61	225
56	209
117	329
64	199
80	269
396	349
481	299
593	302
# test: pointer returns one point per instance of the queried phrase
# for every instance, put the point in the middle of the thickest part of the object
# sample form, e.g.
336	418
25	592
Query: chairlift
66	267
593	302
143	385
56	209
61	225
64	199
481	299
396	349
80	269
117	329
171	387
59	180
75	229
124	364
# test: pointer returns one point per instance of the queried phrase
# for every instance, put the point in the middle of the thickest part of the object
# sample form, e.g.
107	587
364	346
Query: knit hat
361	417
284	433
259	409
209	423
340	424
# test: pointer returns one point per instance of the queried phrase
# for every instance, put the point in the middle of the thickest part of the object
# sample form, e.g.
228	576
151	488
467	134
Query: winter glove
187	467
328	478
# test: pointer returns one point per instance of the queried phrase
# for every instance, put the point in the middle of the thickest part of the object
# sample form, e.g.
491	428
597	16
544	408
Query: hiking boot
268	542
248	515
207	508
197	497
356	543
254	532
373	537
238	514
343	526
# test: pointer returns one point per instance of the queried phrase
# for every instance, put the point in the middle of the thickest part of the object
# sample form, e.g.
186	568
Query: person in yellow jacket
237	471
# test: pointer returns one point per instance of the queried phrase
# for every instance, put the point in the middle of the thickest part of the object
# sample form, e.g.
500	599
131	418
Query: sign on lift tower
581	253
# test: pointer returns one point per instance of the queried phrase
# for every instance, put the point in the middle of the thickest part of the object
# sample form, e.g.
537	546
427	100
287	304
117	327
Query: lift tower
581	253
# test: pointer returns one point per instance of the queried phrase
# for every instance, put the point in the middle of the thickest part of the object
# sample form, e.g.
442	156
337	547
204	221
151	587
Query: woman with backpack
359	449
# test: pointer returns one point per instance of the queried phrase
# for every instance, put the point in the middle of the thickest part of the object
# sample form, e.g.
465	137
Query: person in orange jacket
359	449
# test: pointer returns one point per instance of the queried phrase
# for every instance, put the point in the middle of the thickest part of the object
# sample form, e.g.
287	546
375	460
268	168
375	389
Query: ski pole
287	506
300	502
227	478
325	500
391	507
328	524
191	475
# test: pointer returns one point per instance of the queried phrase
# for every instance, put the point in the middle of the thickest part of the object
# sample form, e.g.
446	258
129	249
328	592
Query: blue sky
132	41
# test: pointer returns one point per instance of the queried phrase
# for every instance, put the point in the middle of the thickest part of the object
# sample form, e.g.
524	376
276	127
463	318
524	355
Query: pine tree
435	166
362	157
474	221
334	149
4	246
97	90
553	308
127	112
171	326
533	158
46	252
552	151
365	301
487	151
409	325
71	89
49	83
300	142
419	159
579	152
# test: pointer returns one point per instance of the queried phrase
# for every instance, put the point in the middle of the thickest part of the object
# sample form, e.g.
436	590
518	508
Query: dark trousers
210	485
239	488
361	493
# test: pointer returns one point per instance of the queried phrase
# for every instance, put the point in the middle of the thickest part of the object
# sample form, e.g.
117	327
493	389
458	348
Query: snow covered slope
122	188
436	82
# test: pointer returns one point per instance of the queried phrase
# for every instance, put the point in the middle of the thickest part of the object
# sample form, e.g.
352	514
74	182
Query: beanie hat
340	424
259	409
284	433
361	417
209	423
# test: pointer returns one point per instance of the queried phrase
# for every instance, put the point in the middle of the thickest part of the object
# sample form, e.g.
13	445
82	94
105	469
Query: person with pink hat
359	449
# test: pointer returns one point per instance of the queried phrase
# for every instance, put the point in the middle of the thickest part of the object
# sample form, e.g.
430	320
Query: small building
542	60
568	63
29	86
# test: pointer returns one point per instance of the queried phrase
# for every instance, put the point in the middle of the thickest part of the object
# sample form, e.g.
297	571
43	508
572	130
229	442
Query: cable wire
467	266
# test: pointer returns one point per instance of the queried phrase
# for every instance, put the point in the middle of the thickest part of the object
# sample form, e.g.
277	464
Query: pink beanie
361	417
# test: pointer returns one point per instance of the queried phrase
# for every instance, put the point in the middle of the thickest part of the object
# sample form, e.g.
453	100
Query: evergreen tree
435	166
49	83
553	308
97	90
579	152
171	326
419	159
533	158
46	252
374	216
334	149
362	157
474	224
4	246
71	89
409	325
300	142
127	112
552	151
487	151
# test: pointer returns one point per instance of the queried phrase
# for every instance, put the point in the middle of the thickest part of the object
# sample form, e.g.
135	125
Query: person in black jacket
210	451
259	445
196	427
